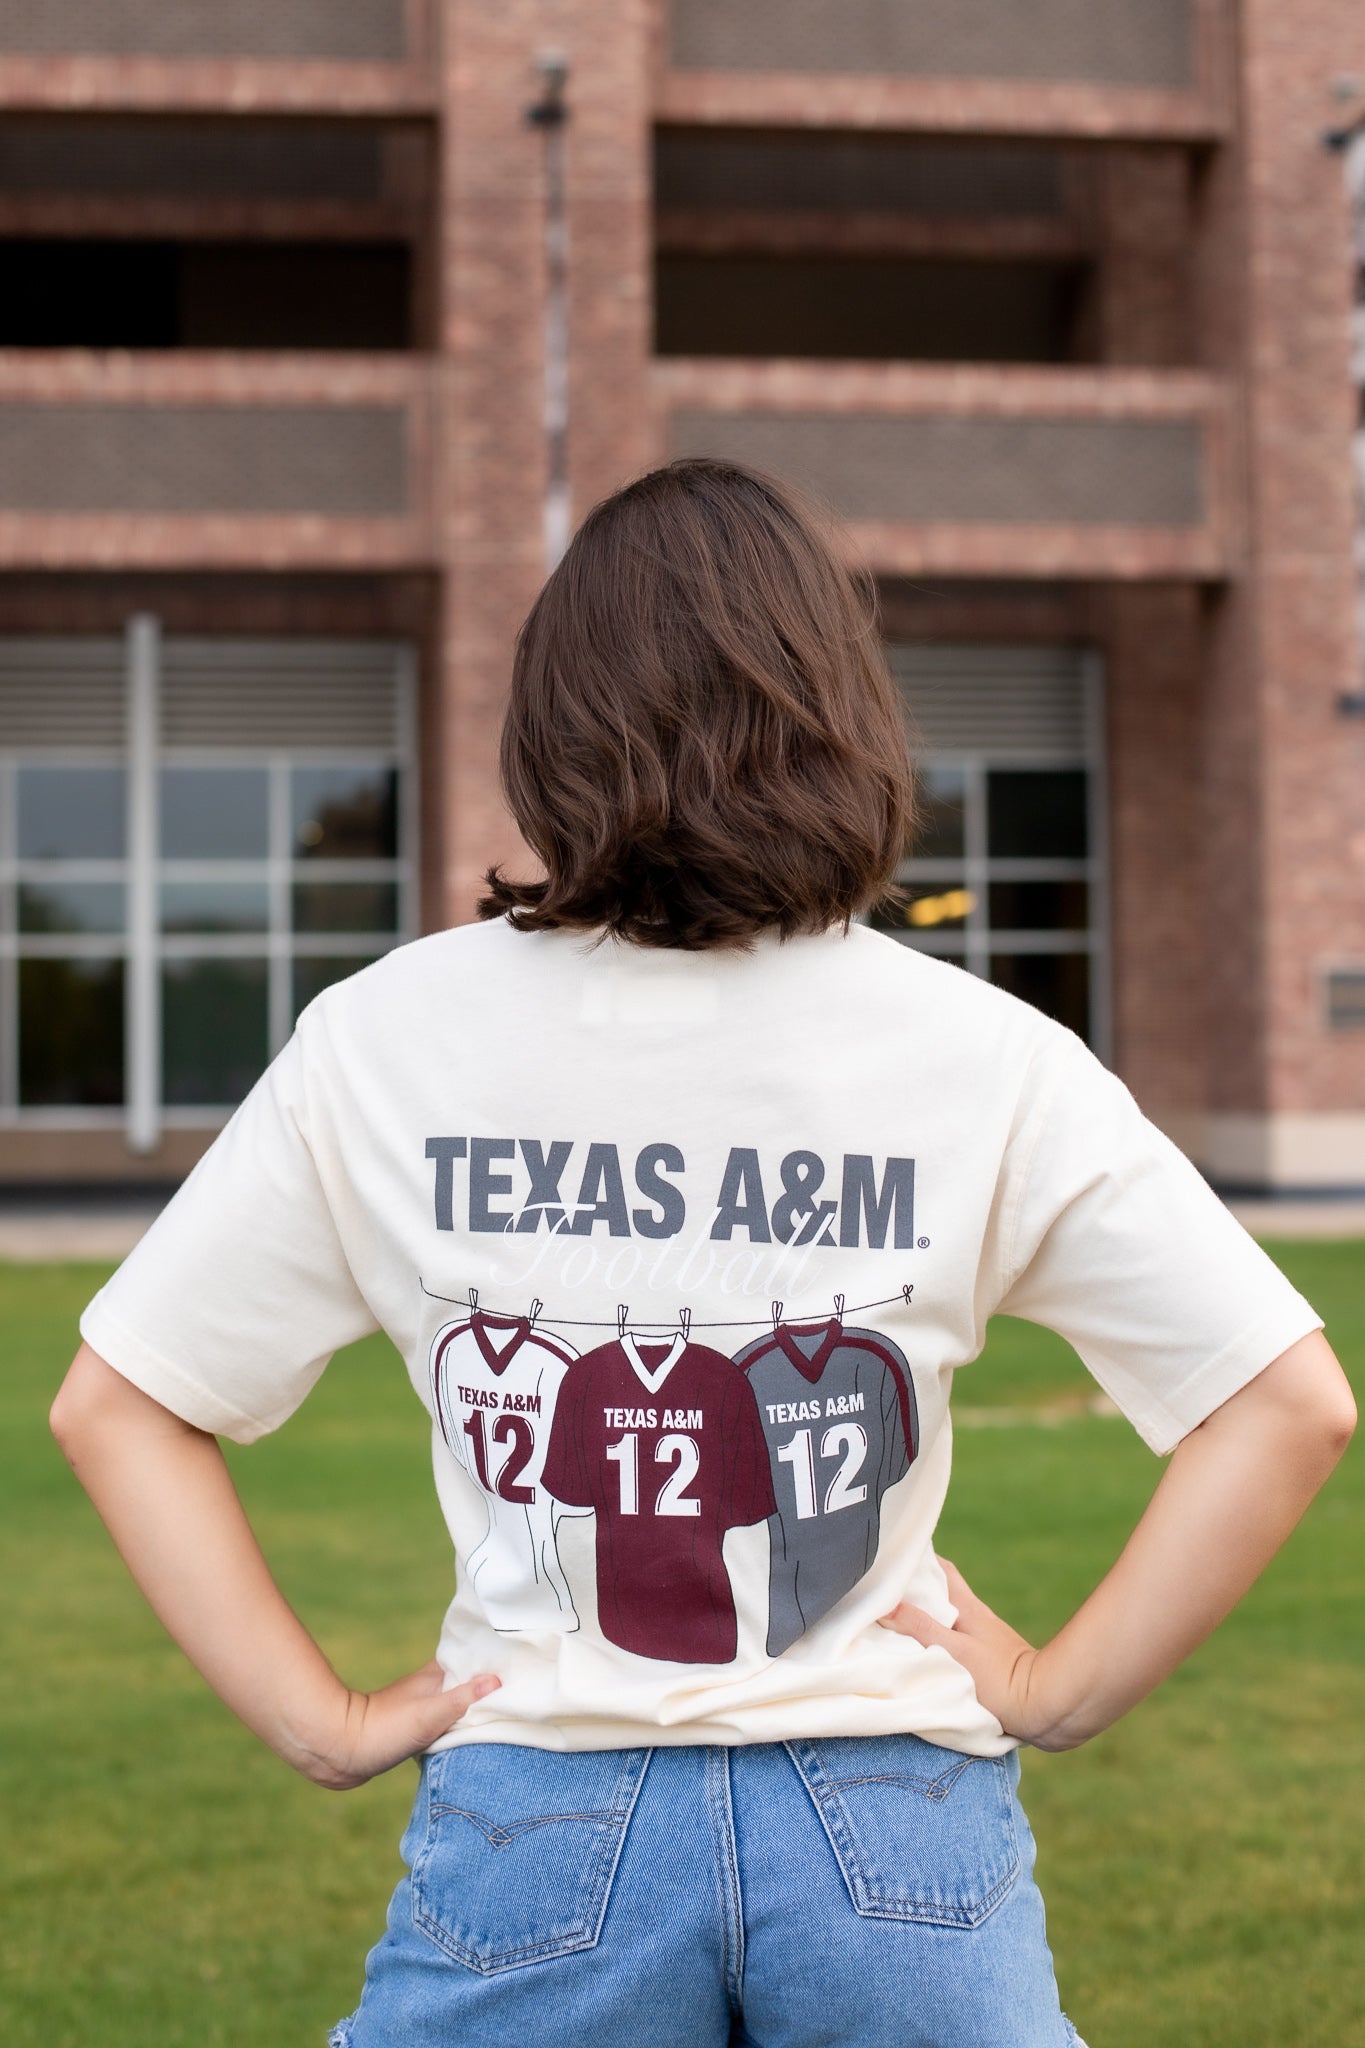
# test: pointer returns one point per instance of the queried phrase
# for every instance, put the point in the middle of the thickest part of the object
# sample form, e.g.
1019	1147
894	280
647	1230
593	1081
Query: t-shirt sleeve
230	1306
1114	1240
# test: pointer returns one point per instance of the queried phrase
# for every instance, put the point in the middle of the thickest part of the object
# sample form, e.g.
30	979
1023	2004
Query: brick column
1285	774
610	244
1152	654
1144	306
493	469
491	477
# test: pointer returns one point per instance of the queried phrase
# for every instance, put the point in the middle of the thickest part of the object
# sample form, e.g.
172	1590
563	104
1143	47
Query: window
240	836
1346	999
1007	875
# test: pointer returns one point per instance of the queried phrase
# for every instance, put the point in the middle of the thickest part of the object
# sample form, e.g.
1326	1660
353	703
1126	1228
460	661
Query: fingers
445	1709
473	1689
907	1620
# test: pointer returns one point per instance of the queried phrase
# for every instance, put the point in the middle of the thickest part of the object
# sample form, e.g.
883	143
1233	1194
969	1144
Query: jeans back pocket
515	1861
920	1833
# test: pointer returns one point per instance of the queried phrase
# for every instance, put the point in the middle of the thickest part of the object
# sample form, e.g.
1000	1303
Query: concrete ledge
51	1234
1305	1218
1297	1152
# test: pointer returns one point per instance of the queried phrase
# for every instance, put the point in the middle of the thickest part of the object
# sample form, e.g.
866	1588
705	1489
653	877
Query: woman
683	1196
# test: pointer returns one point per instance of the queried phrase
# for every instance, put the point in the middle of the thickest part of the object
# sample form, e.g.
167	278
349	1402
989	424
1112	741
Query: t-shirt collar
653	1377
810	1367
498	1360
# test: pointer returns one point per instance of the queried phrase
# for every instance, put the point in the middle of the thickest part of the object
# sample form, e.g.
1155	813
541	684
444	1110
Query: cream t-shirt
682	1252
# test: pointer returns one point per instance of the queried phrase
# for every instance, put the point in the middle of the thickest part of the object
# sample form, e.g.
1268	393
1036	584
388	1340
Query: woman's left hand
1005	1668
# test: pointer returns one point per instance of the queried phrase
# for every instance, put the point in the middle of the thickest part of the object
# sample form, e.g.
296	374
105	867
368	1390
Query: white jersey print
494	1384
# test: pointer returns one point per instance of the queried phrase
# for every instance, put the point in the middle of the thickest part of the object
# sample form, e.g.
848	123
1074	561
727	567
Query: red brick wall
493	331
1286	890
1153	655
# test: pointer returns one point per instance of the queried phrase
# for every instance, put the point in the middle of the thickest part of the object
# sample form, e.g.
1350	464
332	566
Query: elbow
87	1400
1339	1421
66	1419
1305	1399
1325	1424
61	1417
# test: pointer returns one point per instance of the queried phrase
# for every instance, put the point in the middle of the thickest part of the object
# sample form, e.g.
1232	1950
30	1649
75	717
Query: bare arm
1230	1495
164	1492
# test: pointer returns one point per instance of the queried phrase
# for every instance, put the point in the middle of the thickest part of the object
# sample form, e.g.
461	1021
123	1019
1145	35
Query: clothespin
622	1312
473	1301
839	1307
907	1290
536	1306
685	1324
777	1315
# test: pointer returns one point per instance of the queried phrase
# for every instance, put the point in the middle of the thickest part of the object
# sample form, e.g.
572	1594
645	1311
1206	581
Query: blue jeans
844	1893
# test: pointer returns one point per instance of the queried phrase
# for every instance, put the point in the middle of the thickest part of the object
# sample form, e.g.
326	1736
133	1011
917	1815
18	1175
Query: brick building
1051	298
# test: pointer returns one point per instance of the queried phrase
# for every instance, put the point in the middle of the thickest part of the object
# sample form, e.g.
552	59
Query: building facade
315	317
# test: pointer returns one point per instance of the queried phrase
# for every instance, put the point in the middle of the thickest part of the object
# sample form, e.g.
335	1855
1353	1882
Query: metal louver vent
61	693
1346	999
281	693
995	700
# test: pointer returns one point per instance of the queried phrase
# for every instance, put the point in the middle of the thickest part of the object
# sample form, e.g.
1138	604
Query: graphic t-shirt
838	1412
493	1387
663	1441
577	1183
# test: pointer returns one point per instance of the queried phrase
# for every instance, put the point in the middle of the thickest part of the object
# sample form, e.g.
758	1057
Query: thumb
441	1711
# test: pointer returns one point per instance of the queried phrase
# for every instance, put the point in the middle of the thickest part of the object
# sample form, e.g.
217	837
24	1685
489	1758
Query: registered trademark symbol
923	1243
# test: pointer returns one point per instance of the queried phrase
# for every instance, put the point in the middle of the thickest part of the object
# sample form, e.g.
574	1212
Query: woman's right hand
377	1729
165	1494
373	1731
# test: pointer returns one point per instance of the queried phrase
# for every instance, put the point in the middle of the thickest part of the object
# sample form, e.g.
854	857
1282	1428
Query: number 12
680	1452
513	1429
847	1441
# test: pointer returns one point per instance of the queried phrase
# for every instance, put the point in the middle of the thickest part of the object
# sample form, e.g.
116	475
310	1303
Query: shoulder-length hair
703	740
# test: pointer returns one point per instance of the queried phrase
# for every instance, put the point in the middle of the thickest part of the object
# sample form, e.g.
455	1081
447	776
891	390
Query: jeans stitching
732	1905
499	1837
951	1916
824	1794
632	1762
929	1788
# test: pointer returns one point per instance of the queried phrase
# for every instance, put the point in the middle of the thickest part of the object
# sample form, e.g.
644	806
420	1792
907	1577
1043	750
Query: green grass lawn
165	1883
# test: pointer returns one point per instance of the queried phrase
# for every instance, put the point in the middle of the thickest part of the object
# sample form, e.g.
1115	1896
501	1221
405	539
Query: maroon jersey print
664	1441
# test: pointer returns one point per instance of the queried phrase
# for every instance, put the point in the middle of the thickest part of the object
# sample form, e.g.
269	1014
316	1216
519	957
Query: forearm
164	1492
1231	1494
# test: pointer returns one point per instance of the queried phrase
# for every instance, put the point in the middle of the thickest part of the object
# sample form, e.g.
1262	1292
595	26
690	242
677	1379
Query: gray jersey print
838	1413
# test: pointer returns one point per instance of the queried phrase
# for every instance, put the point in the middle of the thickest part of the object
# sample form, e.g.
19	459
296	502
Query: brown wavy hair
703	740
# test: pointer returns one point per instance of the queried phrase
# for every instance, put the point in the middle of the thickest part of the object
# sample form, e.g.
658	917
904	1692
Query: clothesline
682	1321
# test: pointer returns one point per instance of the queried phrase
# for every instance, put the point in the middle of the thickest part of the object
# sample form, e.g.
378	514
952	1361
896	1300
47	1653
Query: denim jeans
849	1893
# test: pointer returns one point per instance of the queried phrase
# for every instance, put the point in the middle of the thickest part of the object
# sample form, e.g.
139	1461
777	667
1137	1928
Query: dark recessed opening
859	173
205	295
911	309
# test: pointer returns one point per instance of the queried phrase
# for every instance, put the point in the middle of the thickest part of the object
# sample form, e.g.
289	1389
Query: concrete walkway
89	1230
1301	1217
80	1231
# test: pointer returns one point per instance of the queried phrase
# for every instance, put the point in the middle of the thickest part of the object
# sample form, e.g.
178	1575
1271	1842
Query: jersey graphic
494	1382
838	1413
664	1441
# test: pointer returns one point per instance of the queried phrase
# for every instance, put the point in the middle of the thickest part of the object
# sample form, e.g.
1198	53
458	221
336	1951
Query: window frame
141	945
971	944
